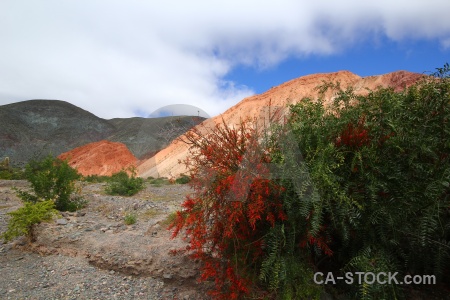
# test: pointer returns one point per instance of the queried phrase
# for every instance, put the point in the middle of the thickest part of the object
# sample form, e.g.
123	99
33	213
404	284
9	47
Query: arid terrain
92	254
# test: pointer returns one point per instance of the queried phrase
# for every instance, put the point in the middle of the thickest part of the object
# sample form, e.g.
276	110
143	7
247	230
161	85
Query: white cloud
114	58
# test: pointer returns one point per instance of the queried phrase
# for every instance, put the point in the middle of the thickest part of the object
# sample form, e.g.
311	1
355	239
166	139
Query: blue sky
119	58
365	59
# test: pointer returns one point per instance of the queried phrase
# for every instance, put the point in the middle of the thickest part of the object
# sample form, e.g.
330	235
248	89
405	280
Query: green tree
122	183
52	179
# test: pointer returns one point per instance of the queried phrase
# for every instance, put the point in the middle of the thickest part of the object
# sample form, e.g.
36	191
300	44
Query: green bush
52	179
96	178
23	219
123	184
367	188
6	174
183	179
9	173
130	219
159	181
169	219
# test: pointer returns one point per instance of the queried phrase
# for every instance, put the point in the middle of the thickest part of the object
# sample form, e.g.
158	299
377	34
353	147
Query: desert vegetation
53	184
361	185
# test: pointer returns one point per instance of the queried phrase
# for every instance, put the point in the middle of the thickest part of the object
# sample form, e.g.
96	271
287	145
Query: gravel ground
92	254
31	276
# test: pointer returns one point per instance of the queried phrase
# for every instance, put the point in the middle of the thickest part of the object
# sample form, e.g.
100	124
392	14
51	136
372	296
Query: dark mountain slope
37	127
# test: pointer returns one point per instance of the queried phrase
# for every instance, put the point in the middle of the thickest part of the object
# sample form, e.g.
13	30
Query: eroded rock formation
100	158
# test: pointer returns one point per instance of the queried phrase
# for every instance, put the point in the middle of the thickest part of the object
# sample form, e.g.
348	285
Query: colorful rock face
100	158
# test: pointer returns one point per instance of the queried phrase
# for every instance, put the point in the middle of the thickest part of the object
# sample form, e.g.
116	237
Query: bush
23	219
124	184
52	179
371	192
169	219
159	181
9	173
183	179
130	219
232	208
6	174
96	178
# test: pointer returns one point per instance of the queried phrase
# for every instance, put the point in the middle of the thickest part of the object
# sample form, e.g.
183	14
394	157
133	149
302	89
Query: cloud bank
127	58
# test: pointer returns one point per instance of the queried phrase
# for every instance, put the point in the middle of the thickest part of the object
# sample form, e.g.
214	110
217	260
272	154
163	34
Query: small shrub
23	219
159	181
183	179
5	174
150	213
130	219
124	184
169	219
96	178
8	172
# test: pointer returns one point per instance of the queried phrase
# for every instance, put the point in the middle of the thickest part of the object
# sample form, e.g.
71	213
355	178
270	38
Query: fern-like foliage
367	187
23	219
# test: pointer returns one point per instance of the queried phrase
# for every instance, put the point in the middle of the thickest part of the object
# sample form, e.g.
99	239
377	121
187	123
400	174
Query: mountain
37	127
165	162
34	128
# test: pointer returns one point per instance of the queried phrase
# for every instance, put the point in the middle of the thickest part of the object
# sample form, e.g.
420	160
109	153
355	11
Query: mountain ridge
165	162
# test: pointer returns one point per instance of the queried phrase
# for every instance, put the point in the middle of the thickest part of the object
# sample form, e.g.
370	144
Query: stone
61	221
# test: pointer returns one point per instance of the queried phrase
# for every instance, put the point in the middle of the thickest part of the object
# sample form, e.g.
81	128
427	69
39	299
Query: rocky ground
93	254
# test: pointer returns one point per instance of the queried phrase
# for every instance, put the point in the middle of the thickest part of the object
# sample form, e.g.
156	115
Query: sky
132	58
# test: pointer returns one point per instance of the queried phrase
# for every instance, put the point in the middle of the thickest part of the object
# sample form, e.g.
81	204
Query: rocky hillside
34	128
165	163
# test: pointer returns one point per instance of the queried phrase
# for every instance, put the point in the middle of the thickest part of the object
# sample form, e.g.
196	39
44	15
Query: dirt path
92	254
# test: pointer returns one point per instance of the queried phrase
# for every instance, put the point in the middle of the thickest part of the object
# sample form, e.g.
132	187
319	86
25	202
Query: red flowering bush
353	137
233	205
